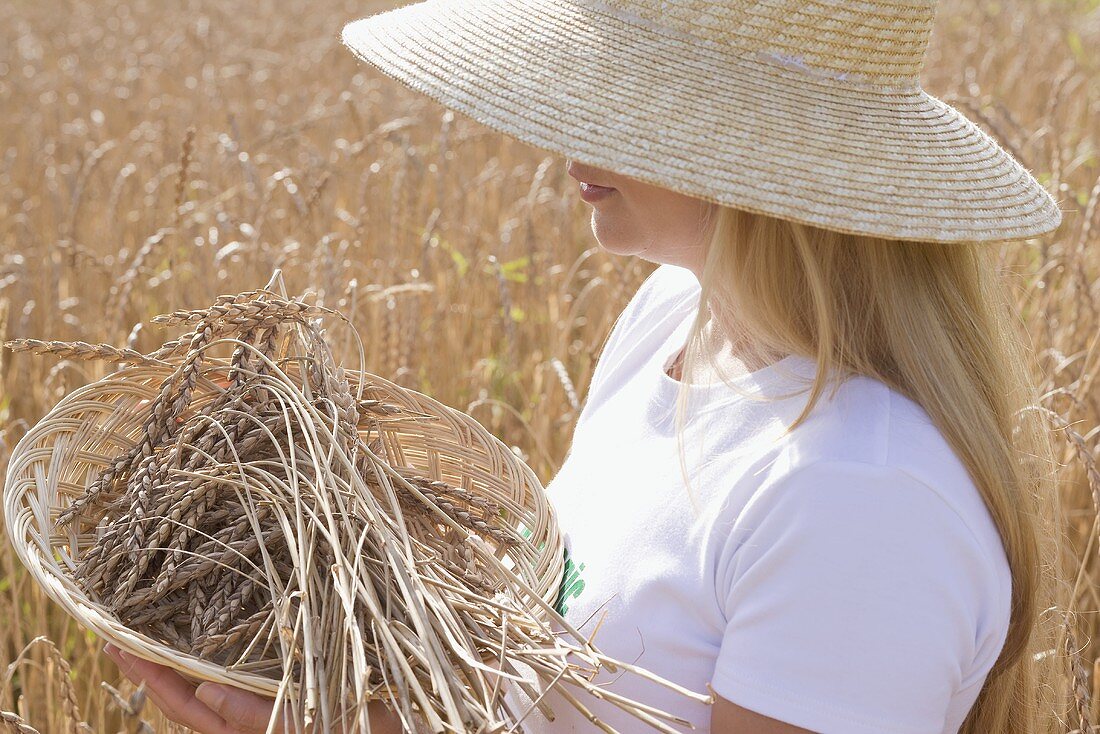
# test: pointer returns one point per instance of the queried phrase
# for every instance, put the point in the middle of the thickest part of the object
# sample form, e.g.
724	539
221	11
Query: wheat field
154	155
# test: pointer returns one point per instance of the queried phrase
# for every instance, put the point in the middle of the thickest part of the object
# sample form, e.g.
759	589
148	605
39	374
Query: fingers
173	695
244	710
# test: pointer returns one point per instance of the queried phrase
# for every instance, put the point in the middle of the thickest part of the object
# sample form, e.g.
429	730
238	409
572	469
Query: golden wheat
301	159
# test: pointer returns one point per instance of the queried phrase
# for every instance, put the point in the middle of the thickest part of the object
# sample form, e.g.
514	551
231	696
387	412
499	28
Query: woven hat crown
875	42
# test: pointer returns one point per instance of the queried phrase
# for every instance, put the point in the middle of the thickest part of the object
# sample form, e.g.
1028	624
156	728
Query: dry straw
809	110
273	521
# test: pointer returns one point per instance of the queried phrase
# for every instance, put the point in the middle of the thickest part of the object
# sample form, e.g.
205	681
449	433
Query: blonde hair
933	321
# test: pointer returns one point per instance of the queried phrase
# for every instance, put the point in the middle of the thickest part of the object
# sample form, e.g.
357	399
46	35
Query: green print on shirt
571	584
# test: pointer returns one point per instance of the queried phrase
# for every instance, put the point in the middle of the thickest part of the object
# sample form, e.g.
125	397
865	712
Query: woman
804	477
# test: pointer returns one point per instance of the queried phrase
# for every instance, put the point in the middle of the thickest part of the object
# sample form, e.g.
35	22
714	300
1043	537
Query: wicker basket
58	457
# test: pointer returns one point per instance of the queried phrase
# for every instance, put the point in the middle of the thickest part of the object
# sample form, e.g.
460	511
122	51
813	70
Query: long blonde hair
934	322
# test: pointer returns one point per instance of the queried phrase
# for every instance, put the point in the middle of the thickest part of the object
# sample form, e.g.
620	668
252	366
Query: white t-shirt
846	578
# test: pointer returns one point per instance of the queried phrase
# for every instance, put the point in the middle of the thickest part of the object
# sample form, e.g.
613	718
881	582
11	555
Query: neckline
784	378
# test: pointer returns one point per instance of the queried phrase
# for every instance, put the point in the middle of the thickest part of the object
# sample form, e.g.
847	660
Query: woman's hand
212	708
209	708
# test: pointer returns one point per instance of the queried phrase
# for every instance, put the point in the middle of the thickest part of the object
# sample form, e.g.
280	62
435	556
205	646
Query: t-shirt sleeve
853	596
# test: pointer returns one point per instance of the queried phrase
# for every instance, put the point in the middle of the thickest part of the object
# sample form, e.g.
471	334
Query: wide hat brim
744	131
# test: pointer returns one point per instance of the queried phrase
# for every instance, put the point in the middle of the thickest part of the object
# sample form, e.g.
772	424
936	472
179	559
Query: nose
587	174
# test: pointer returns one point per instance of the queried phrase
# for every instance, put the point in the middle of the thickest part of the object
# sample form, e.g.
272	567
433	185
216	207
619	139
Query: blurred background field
156	154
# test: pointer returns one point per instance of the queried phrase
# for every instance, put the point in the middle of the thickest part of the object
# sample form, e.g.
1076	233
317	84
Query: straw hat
809	110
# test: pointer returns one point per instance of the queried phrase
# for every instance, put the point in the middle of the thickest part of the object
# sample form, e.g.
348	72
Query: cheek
647	221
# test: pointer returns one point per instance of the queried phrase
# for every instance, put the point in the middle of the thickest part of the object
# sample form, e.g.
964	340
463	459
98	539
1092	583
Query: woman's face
636	218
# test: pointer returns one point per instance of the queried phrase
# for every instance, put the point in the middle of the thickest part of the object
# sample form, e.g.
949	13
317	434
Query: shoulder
868	426
662	299
667	285
871	458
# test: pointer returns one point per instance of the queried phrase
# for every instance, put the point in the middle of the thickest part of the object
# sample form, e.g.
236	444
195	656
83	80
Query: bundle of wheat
273	521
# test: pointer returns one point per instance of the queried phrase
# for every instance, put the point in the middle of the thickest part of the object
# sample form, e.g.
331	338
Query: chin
617	249
614	239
